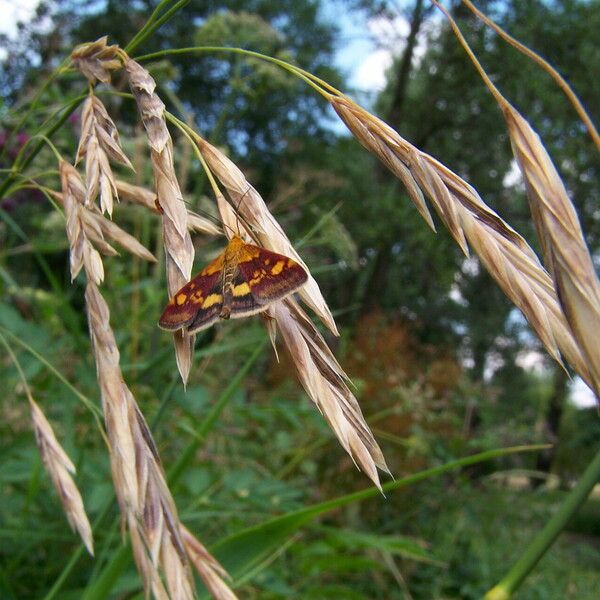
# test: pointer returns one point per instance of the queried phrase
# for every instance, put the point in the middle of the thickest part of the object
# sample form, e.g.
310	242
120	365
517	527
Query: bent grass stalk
544	64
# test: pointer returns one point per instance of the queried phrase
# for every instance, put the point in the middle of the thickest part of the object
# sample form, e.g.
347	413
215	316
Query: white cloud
14	11
532	360
513	177
370	73
581	395
387	40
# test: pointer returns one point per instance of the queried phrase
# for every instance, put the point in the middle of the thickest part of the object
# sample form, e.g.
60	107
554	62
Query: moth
243	280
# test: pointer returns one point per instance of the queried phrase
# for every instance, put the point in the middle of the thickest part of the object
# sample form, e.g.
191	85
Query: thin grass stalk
33	103
546	66
241	551
48	131
154	22
542	542
75	556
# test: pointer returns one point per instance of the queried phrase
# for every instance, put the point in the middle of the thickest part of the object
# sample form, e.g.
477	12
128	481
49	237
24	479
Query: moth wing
270	276
198	303
243	302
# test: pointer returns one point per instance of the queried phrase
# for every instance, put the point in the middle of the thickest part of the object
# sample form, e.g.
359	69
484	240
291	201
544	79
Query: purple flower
8	204
21	139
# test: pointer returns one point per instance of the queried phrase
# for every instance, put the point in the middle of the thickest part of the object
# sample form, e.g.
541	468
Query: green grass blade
545	538
206	425
242	551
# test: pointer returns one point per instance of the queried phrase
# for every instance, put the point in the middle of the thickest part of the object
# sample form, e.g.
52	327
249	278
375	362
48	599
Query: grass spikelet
60	468
147	198
207	566
82	252
98	227
566	253
98	142
177	240
326	384
254	211
504	253
96	60
57	463
113	232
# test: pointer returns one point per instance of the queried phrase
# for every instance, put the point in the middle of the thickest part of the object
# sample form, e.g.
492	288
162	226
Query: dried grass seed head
96	60
82	253
178	243
99	141
207	566
60	468
565	251
145	500
505	254
326	384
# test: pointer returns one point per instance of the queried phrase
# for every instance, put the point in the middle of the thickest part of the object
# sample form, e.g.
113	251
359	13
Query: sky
13	11
365	53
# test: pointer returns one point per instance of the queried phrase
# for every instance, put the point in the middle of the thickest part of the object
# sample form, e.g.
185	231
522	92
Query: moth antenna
237	212
228	227
208	215
239	217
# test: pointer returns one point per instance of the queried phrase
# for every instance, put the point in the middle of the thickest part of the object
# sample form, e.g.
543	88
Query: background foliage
434	348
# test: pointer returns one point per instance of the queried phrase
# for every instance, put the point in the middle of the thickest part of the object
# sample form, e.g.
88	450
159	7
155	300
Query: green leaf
394	544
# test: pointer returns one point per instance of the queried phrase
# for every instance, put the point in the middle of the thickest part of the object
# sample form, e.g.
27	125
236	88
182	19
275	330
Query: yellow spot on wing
243	289
181	298
278	267
211	300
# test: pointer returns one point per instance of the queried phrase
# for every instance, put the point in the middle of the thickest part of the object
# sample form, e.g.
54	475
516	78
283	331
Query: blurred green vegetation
431	344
